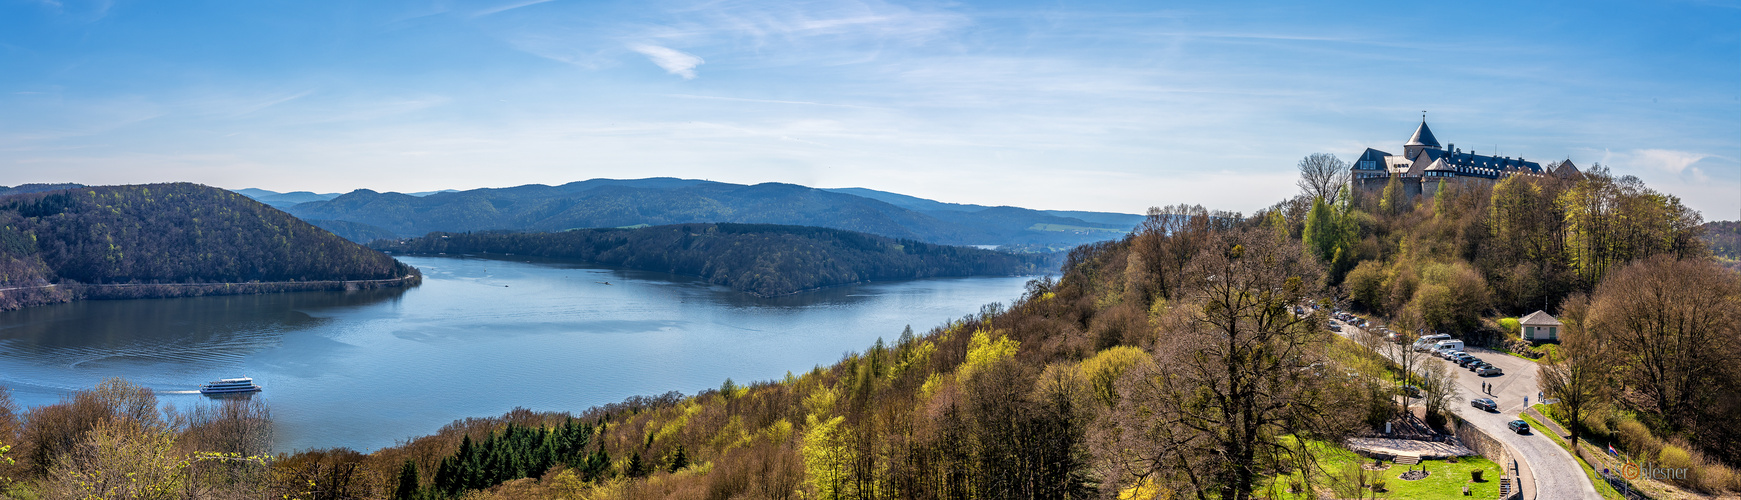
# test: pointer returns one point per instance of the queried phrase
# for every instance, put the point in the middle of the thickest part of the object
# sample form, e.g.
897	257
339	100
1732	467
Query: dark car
1469	361
1485	404
1519	426
1477	365
1411	391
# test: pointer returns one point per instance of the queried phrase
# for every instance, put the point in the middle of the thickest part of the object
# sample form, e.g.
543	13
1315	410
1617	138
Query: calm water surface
479	337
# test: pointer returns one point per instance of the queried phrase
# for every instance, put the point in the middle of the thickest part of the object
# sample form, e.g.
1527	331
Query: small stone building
1539	326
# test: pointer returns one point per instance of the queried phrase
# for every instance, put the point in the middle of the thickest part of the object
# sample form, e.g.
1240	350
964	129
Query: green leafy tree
1394	200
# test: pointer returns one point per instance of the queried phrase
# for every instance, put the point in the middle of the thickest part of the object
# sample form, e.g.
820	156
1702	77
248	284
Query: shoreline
15	298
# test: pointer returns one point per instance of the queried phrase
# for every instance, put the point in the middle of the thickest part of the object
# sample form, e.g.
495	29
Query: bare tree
1235	370
1438	388
1408	361
1322	175
1577	373
1672	323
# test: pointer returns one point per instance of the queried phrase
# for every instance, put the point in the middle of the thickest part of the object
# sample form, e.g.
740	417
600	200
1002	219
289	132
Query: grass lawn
1602	487
1445	481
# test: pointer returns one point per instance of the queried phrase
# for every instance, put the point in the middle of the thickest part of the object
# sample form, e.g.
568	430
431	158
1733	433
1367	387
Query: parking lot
1552	472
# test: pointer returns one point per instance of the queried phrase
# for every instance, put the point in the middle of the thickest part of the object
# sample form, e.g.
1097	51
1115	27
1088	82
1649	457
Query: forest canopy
168	234
762	259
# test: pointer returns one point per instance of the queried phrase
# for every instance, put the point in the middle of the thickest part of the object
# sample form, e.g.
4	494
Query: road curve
1557	474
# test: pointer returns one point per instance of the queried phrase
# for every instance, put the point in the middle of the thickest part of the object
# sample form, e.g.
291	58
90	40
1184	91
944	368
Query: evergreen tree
636	468
407	482
728	390
679	459
1320	233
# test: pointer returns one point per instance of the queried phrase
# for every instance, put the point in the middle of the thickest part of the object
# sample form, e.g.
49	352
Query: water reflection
153	341
479	337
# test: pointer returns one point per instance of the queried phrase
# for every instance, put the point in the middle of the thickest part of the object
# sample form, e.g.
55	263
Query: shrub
1637	439
1714	478
1674	457
1510	325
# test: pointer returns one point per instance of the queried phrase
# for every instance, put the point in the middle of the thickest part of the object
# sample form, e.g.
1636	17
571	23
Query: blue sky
1113	106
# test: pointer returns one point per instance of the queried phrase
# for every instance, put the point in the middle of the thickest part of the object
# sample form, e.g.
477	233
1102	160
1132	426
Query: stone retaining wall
1487	446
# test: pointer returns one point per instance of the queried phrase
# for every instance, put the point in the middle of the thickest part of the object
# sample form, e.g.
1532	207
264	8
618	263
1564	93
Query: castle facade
1424	164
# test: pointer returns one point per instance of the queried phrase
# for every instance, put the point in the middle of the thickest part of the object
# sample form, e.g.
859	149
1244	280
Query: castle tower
1422	139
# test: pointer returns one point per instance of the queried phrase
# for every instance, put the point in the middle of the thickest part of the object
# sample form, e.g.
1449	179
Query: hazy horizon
1109	106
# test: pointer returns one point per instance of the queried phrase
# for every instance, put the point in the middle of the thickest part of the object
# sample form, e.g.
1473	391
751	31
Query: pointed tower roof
1423	137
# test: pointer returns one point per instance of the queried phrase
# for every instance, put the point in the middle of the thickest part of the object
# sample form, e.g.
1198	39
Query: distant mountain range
363	215
287	200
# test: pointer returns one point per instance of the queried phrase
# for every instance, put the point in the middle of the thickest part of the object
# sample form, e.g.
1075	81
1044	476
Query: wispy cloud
252	107
849	20
768	101
507	7
674	61
90	10
1680	163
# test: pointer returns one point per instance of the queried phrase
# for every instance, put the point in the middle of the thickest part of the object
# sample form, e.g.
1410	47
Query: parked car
1519	426
1467	360
1335	328
1485	404
1476	365
1489	370
1411	391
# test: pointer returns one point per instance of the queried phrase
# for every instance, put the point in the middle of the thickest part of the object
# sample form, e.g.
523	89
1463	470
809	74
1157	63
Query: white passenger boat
230	386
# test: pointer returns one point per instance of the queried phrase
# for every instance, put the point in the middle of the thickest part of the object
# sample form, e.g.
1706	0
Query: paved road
1557	475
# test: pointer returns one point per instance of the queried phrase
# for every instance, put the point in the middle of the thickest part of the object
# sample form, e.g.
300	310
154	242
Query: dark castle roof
1474	165
1371	159
1423	137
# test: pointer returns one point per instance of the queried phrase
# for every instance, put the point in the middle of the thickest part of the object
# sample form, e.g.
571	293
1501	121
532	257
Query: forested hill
659	201
761	259
167	234
1724	237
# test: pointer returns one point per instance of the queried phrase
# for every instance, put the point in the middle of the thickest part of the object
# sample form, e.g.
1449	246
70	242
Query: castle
1423	164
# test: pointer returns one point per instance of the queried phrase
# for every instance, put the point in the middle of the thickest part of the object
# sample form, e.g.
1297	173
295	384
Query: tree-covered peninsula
163	240
761	259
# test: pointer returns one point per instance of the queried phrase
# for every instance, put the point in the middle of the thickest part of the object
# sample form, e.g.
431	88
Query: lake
479	337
